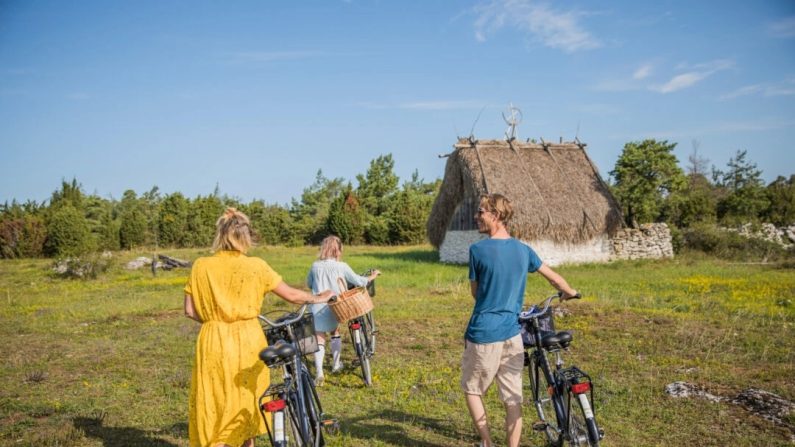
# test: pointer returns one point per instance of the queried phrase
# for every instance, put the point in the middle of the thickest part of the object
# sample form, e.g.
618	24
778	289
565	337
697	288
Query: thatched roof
555	189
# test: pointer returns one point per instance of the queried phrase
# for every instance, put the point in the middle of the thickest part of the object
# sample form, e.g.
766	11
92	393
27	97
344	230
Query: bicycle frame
295	396
363	340
561	382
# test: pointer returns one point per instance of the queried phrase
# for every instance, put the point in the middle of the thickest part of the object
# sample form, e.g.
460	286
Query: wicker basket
351	303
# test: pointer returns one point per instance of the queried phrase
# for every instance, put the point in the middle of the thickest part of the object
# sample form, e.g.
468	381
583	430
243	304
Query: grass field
107	362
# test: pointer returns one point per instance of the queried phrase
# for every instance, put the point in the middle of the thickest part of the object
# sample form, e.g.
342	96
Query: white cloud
784	28
555	29
691	78
784	88
643	72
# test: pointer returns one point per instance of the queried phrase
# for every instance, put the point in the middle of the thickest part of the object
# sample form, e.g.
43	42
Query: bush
68	233
22	237
732	246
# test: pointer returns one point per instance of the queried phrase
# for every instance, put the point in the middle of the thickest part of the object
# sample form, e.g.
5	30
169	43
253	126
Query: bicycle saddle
279	351
557	340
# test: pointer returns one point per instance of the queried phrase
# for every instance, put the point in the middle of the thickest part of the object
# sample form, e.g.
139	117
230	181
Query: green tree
645	174
310	214
173	220
68	233
69	194
202	215
132	221
378	185
410	211
743	196
346	217
781	196
272	223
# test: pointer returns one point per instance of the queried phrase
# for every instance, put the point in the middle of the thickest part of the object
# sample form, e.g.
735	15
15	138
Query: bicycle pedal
325	422
540	426
601	433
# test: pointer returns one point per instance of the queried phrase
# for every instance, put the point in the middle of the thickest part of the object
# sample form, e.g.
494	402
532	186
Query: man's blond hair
497	204
232	231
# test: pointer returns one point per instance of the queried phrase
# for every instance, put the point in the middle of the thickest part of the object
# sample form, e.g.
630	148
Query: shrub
68	233
22	237
732	246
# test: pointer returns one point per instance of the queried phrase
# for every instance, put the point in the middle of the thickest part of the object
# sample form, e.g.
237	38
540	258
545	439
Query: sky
255	97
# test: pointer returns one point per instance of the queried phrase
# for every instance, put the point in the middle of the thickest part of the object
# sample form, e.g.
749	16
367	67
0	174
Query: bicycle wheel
543	401
292	434
372	331
313	411
578	428
359	337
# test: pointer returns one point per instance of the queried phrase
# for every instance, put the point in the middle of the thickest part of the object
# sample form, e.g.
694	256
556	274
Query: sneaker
319	380
337	368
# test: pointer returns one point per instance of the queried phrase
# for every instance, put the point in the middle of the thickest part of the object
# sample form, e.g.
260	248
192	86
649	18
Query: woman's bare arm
190	309
298	296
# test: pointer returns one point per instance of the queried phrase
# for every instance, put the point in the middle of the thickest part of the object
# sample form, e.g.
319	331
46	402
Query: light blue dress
323	276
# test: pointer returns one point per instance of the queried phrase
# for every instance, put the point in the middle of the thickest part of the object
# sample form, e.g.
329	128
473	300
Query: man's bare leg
513	424
478	413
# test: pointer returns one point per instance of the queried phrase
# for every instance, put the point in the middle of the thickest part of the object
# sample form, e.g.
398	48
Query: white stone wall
455	249
650	241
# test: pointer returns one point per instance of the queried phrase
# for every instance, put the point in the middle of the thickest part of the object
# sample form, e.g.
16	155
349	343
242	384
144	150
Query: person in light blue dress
322	276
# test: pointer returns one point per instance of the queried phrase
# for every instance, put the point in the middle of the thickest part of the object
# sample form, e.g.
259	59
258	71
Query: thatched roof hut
555	189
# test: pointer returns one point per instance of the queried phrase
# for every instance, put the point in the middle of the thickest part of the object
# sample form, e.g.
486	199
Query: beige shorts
502	361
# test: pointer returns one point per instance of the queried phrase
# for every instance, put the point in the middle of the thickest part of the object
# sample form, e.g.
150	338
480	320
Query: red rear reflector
356	326
274	405
579	388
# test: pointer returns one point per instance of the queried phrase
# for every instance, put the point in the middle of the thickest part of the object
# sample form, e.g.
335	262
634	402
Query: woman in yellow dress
224	293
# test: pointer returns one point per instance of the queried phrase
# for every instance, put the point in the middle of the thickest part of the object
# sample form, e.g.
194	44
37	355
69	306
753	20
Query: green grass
107	362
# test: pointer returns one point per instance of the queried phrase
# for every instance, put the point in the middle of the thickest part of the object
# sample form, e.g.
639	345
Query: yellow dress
228	377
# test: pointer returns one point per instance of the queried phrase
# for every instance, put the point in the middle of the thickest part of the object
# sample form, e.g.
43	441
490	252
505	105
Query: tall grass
107	362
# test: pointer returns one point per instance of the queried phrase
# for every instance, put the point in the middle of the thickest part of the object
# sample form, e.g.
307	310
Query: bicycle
294	403
554	393
363	333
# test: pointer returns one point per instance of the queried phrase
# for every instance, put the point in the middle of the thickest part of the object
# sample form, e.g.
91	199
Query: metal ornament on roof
512	120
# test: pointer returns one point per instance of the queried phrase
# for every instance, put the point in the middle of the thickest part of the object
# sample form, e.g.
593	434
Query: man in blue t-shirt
498	268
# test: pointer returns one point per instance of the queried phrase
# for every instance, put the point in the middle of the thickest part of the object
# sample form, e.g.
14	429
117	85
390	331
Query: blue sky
256	96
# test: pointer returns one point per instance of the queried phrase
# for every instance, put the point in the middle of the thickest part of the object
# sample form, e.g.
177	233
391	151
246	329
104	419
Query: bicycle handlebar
524	316
286	321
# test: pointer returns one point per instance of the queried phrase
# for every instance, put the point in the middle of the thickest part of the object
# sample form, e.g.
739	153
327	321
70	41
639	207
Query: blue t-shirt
500	267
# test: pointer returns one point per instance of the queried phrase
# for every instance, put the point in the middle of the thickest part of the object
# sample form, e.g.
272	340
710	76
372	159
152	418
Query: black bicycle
562	397
363	333
293	404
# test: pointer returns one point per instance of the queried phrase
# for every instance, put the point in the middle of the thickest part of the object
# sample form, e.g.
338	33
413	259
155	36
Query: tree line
647	180
378	210
651	187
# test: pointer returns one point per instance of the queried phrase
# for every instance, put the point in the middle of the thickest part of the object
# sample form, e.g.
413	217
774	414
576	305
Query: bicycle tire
577	426
314	411
543	402
372	331
292	436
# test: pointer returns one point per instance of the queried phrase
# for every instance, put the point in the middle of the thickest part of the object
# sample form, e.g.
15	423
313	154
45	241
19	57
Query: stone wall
455	249
650	241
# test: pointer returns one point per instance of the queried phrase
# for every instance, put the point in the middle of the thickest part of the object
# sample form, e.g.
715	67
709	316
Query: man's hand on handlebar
568	296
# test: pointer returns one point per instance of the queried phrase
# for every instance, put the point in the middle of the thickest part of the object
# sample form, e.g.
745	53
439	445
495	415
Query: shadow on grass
427	256
388	426
118	436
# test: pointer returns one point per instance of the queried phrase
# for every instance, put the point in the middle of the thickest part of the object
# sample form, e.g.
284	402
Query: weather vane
513	120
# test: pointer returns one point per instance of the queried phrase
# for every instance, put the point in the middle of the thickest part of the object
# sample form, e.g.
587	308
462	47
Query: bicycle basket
546	322
351	303
303	331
